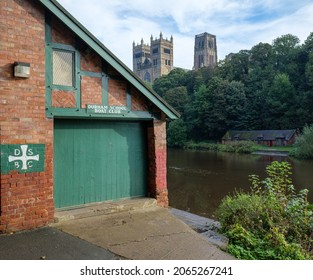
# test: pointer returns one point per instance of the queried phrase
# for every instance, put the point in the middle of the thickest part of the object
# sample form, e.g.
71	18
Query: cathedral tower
153	61
205	53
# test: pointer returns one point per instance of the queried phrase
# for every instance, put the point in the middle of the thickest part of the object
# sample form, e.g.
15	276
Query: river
198	180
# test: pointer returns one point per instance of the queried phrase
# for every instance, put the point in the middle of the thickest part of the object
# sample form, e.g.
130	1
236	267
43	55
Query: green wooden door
98	161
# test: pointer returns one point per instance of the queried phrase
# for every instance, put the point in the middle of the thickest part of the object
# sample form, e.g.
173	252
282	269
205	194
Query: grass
274	148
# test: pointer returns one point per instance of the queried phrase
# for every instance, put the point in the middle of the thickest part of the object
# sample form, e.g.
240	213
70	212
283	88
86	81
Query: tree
285	49
282	104
307	105
195	78
178	98
284	46
236	103
308	44
257	87
218	107
175	78
260	55
239	66
309	71
304	144
267	87
176	134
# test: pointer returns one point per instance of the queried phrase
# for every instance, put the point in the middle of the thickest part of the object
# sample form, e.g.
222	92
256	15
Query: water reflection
197	180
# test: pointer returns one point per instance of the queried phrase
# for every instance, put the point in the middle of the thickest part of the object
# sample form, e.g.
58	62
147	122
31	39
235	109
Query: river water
198	180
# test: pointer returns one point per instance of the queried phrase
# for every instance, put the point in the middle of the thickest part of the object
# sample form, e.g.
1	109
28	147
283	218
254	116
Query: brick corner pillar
26	171
157	161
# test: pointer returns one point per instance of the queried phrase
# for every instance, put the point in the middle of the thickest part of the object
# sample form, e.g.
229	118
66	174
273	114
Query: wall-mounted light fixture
21	69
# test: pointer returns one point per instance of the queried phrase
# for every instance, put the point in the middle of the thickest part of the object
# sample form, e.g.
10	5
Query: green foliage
267	87
249	246
202	146
260	55
284	52
309	70
239	66
176	134
282	102
174	79
177	98
270	222
240	147
218	107
303	147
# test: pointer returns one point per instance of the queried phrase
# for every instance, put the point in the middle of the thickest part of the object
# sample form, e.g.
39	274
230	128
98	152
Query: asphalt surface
50	244
134	229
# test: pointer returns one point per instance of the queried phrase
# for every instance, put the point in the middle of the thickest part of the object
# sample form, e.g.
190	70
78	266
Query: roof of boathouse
255	135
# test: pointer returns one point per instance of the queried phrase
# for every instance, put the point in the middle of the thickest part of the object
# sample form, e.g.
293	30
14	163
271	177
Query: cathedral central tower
205	53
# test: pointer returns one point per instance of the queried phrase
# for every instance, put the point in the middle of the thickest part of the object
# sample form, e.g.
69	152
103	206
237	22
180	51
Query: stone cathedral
153	61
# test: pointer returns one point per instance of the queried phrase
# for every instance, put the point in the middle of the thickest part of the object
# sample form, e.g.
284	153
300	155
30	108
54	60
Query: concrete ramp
142	233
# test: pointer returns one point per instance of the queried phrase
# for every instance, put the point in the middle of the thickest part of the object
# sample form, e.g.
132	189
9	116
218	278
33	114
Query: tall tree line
267	87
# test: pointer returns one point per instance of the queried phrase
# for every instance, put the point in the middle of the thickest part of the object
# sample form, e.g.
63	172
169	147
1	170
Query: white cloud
238	24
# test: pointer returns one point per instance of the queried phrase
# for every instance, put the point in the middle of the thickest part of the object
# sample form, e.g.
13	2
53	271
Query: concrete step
103	208
208	228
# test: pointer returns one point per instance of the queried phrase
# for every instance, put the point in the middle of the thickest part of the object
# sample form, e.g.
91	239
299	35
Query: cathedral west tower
151	61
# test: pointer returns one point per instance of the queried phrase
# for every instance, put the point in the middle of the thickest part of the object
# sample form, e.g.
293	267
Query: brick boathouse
76	124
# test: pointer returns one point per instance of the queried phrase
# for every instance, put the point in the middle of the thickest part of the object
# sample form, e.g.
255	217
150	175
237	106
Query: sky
237	24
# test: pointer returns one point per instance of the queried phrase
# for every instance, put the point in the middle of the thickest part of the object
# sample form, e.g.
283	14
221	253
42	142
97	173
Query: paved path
51	244
131	229
145	234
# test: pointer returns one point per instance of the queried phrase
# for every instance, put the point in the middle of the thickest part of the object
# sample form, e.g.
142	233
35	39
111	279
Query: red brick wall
61	34
157	161
117	92
139	102
63	99
91	91
26	199
89	61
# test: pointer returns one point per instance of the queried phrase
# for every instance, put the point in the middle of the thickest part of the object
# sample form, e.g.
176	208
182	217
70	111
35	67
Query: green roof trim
61	13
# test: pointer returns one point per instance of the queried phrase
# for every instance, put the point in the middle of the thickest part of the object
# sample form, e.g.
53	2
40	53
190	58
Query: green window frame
68	60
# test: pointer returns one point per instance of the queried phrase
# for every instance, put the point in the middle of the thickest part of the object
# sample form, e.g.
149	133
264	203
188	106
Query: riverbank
241	147
207	227
271	153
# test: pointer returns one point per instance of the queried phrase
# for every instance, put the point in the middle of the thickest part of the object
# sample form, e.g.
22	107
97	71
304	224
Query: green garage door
97	161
